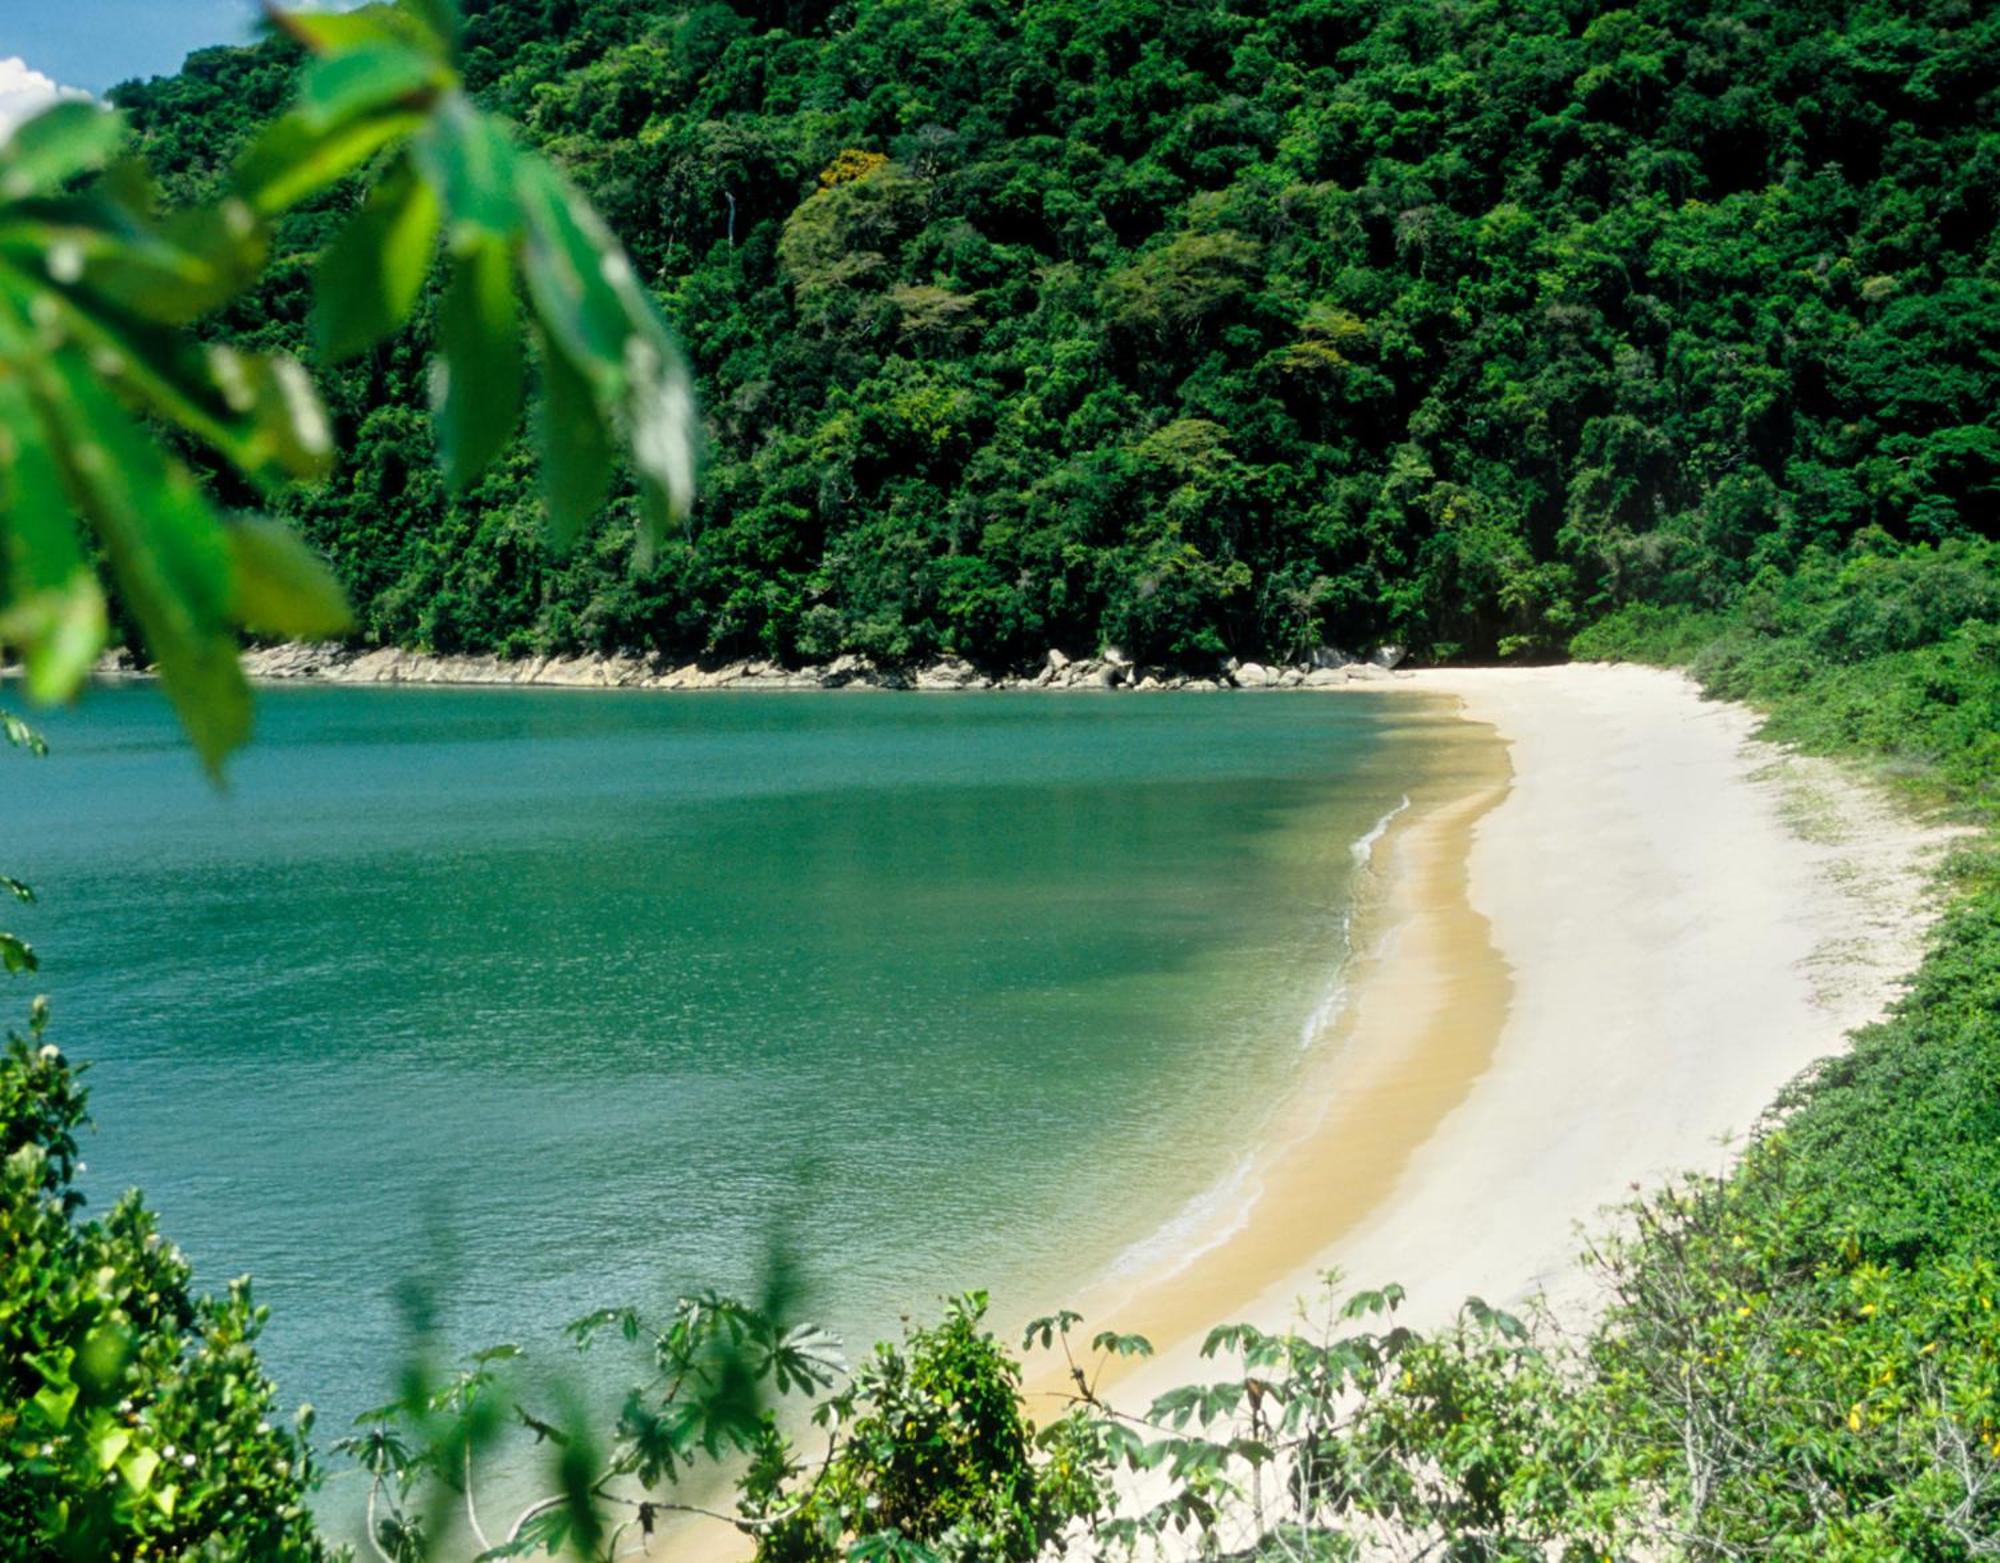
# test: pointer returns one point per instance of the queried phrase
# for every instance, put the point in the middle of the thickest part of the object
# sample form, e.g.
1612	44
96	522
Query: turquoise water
568	997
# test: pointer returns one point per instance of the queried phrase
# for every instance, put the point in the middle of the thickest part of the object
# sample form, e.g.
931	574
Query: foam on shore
1222	1210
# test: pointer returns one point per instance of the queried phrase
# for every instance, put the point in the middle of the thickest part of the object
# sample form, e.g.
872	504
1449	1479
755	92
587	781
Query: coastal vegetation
1651	334
1833	1331
135	1418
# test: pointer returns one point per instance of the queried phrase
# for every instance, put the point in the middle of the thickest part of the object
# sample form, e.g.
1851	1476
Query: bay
561	999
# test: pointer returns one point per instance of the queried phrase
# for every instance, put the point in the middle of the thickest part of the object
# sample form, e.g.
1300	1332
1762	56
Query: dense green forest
1205	329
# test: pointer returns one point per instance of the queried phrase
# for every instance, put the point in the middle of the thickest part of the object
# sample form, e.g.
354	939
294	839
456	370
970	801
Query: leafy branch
713	1366
98	286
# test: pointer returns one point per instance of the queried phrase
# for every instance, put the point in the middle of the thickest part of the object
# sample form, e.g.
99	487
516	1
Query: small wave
1334	1000
1221	1210
1207	1221
1364	844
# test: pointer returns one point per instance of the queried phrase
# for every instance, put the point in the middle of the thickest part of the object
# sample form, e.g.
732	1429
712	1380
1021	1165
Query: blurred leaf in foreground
97	288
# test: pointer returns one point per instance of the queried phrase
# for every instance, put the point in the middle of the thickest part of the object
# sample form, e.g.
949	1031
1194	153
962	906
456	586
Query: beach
1607	930
1600	933
1594	964
1603	930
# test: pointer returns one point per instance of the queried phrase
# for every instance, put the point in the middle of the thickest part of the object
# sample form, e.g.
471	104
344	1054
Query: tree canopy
1202	329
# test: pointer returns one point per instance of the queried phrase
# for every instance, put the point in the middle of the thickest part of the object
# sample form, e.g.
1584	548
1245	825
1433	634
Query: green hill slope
1214	328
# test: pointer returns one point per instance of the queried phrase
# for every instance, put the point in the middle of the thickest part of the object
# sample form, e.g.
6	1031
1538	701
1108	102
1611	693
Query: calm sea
564	999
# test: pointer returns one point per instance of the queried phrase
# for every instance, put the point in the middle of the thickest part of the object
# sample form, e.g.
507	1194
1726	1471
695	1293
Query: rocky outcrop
952	673
1325	668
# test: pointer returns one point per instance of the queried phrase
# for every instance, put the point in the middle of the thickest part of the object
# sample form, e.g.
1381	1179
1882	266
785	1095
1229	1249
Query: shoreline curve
1684	918
1427	996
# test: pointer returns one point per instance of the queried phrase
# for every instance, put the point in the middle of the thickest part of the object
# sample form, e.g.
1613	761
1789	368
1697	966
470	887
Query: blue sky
94	44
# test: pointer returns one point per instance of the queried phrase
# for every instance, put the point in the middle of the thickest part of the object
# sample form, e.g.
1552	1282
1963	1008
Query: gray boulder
951	673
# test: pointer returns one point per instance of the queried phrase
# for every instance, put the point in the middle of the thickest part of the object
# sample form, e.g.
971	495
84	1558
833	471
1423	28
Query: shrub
135	1418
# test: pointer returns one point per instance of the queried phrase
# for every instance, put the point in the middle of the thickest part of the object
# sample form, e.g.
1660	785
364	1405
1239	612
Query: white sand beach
1686	918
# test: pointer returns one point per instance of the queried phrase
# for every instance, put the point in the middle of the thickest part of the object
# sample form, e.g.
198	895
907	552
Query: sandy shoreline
1427	995
1597	967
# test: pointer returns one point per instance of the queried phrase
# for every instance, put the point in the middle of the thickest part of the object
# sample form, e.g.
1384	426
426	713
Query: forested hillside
1208	328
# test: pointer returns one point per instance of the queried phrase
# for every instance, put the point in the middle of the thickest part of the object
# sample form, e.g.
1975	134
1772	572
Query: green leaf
16	889
21	735
60	632
1176	1405
1045	1329
361	82
54	1401
169	272
138	1467
128	184
889	1546
175	270
298	155
589	301
570	261
339	32
660	417
258	410
582	1331
440	18
478	377
112	1442
470	161
575	451
282	586
279	424
55	611
17	956
804	1358
368	280
168	552
548	1531
56	145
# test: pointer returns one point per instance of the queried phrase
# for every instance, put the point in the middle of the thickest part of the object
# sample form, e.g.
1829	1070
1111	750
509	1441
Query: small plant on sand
1352	1435
931	1457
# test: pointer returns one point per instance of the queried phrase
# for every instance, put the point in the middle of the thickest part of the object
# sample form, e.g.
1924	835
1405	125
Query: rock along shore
332	663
